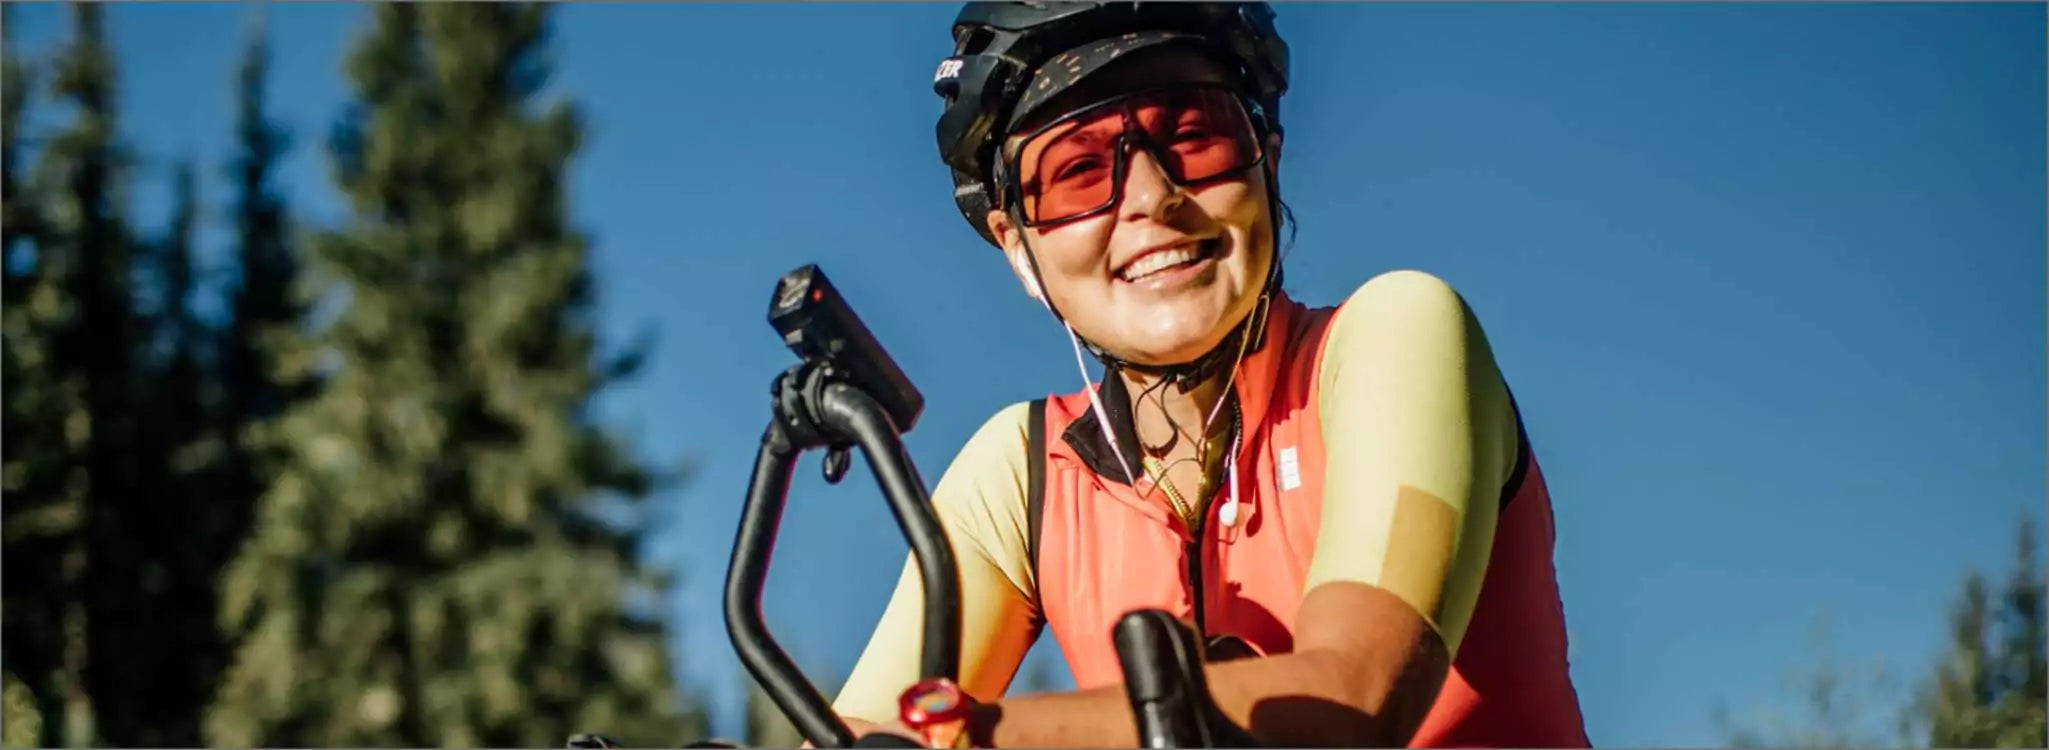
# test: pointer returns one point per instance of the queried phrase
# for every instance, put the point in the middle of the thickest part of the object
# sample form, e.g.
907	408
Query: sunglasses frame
1012	163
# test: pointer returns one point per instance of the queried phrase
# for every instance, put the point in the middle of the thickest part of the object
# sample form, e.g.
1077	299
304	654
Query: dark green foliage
1989	689
425	568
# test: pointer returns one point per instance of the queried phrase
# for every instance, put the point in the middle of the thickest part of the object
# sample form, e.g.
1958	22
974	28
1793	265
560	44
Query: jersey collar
1254	387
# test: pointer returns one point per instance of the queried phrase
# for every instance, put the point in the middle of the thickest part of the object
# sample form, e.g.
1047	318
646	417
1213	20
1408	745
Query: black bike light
817	324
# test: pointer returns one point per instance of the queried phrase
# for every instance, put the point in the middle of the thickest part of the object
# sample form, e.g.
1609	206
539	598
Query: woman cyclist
1343	497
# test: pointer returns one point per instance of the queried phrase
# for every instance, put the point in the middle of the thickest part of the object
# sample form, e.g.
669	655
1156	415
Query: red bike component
937	709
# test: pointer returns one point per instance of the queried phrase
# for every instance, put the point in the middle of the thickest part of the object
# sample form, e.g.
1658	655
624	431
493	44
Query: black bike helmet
989	83
1010	58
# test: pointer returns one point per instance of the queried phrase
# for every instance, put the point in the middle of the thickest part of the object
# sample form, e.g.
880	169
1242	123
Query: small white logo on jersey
948	68
1291	470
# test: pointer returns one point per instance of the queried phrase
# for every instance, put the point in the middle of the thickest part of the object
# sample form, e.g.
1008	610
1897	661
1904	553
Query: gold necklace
1190	515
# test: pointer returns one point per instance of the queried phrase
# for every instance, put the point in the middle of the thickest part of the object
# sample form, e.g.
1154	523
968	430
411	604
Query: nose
1148	192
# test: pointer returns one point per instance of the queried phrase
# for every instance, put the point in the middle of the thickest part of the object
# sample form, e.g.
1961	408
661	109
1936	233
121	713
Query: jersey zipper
1199	592
1195	580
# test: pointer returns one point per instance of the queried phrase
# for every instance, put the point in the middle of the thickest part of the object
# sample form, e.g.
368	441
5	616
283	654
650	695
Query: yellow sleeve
981	503
1420	439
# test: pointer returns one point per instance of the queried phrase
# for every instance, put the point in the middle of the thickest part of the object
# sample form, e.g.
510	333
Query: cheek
1239	206
1240	211
1072	251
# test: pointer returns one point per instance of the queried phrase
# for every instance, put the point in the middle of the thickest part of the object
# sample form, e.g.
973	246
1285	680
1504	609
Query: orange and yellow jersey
1380	445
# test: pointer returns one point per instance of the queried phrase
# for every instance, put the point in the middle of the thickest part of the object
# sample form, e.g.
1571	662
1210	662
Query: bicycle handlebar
844	392
1162	659
817	410
1161	665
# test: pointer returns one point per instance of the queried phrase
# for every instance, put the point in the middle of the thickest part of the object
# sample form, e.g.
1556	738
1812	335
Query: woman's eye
1077	168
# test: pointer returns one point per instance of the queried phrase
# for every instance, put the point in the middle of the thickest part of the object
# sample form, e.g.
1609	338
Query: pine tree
173	639
81	579
262	356
428	567
79	488
1989	688
37	519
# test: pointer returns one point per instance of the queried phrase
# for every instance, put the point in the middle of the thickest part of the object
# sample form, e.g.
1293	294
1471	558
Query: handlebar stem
816	407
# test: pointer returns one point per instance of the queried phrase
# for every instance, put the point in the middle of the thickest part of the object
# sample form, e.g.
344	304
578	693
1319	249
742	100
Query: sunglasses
1074	167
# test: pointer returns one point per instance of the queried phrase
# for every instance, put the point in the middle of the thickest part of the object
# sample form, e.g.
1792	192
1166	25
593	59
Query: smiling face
1165	272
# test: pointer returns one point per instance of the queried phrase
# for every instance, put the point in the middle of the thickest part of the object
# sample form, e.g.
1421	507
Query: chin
1176	346
1188	334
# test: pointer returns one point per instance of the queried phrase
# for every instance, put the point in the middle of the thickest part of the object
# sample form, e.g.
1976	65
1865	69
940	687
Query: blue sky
1768	281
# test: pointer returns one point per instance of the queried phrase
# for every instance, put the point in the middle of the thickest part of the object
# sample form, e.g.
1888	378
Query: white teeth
1160	261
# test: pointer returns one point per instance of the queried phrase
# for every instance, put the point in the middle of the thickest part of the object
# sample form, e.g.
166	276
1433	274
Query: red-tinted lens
1076	166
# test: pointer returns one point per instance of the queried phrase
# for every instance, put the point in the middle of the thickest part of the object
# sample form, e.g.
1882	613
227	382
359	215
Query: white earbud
1024	273
1229	513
